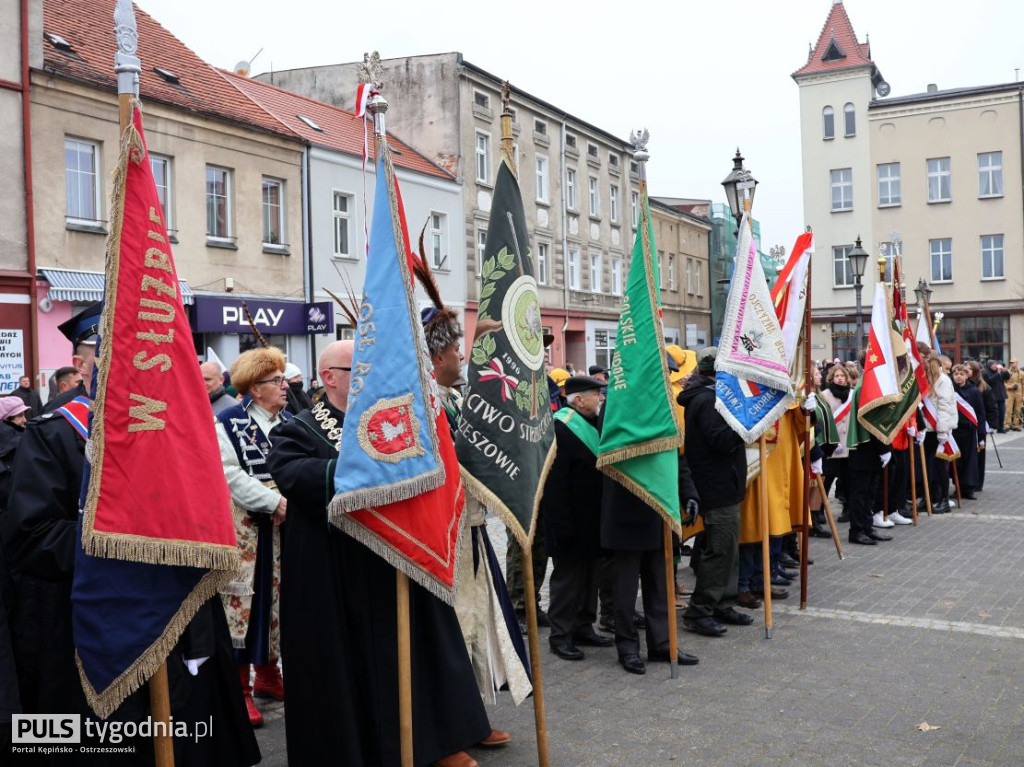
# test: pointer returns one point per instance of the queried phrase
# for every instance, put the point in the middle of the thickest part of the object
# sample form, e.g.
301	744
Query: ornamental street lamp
923	292
859	261
740	186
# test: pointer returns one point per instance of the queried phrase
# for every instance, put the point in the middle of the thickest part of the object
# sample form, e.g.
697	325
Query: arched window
850	120
828	121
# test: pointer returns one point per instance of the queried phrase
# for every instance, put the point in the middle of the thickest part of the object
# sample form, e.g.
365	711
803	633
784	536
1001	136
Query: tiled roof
88	25
340	130
838	34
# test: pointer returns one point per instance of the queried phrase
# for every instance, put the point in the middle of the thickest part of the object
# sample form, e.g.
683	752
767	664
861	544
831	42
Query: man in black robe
38	532
338	619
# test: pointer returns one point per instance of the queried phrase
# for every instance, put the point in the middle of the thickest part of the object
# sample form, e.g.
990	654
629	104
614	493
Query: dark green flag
505	440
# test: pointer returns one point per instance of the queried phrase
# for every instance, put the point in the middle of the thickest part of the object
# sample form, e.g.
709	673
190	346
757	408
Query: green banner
506	440
641	435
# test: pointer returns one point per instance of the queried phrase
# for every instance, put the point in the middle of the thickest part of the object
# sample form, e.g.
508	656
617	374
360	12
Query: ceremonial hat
595	369
82	327
255	365
11	406
291	370
577	384
685	361
548	340
706	358
441	327
560	375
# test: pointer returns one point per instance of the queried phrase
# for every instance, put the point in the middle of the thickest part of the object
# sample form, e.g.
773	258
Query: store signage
227	315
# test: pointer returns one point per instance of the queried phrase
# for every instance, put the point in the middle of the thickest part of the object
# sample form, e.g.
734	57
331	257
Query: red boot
269	683
255	717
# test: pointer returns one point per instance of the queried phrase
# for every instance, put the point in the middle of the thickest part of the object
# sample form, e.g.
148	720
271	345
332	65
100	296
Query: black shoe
787	561
607	624
568	651
879	536
633	664
969	496
683	658
778	580
593	639
844	517
817	531
639	620
708	627
733	617
542	619
922	504
862	539
941	508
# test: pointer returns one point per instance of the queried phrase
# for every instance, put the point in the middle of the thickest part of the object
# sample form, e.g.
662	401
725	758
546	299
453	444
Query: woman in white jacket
942	398
837	393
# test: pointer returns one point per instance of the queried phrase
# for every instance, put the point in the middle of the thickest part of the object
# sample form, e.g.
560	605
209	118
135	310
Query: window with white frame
613	203
541	263
661	269
483	158
481	99
849	120
542	179
219	225
574	268
942	259
634	202
842	267
161	167
842	189
604	347
571	192
990	174
828	124
342	211
670	266
617	276
939	175
595	272
992	257
439	240
273	211
81	163
481	247
889	193
595	198
689	276
698	278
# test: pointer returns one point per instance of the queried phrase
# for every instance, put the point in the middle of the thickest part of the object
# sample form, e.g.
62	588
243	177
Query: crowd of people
311	617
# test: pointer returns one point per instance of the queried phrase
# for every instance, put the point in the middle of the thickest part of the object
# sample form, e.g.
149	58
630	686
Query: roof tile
838	28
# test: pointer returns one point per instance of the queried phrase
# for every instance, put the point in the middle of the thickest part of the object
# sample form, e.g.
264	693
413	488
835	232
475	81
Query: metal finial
371	71
639	141
126	61
506	95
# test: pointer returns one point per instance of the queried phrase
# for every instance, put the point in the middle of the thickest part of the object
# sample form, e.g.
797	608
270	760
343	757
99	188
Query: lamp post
740	186
923	292
859	261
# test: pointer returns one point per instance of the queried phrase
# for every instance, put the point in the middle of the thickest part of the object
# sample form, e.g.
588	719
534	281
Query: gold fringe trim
404	564
105	702
641	492
888	399
489	499
948	458
384	495
112	545
660	445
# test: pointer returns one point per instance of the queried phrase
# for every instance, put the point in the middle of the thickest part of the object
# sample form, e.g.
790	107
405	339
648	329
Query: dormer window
58	42
833	52
167	75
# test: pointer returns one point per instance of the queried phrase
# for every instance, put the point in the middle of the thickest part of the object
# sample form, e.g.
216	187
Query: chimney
933	88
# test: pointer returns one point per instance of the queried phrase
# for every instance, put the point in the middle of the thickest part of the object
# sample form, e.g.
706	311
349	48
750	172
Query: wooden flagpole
532	630
766	565
534	641
404	669
956	481
808	441
128	68
924	479
885	486
829	517
913	483
673	636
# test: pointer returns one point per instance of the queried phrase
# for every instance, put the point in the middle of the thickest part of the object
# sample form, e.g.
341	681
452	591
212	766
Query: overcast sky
704	77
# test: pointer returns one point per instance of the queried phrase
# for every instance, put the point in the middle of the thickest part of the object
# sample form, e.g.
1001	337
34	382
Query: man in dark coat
718	461
866	462
635	534
213	377
30	397
572	515
338	619
38	532
996	377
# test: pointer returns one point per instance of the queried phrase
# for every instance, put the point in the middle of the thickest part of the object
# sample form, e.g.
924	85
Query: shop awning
75	285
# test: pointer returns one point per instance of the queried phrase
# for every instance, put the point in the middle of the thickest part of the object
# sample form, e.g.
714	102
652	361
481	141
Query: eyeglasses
276	380
340	368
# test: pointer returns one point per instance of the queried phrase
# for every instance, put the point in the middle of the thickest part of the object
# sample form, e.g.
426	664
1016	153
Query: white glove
919	439
884	458
816	467
943	437
911	431
811	403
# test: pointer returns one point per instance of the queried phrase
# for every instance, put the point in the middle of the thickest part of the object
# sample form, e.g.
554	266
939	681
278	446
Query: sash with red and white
948	450
966	410
843	411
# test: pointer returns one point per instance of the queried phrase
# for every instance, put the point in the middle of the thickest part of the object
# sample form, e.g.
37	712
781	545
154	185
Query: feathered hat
256	365
441	325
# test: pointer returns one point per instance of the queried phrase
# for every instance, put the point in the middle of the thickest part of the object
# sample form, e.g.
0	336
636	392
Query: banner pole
913	484
885	486
160	710
808	441
766	567
956	481
534	640
404	669
924	479
673	636
829	517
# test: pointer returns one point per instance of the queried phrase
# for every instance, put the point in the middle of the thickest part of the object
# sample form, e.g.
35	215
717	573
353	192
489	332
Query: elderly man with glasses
251	601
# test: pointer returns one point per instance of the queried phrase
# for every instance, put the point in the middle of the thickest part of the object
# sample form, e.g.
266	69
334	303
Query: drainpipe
30	222
307	248
565	245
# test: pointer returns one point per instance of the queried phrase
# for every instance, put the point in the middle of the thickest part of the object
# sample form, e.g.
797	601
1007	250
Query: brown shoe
748	600
496	739
777	593
461	759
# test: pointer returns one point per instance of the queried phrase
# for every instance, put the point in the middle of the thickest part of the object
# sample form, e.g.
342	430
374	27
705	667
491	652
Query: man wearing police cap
572	516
